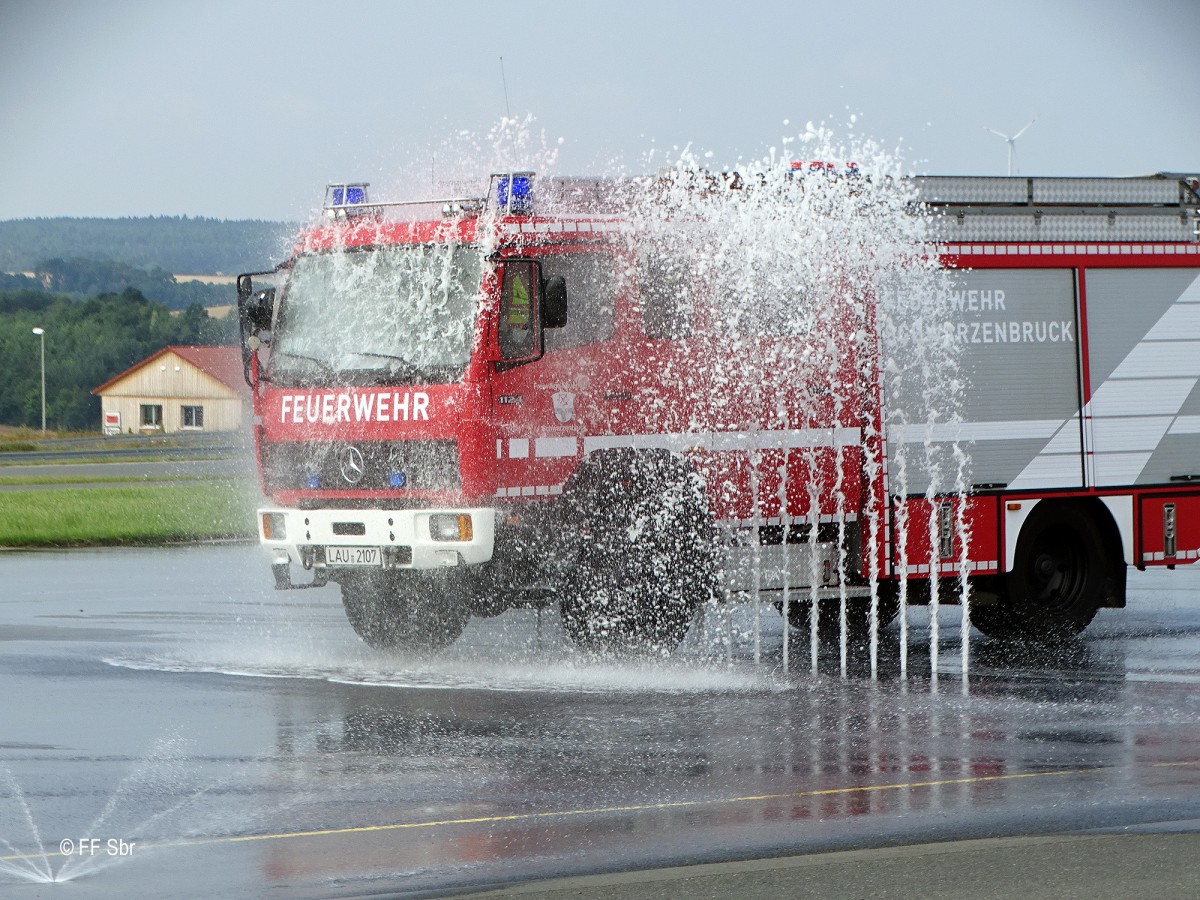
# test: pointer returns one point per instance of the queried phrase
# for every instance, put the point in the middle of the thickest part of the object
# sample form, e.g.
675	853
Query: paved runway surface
233	741
1054	867
70	475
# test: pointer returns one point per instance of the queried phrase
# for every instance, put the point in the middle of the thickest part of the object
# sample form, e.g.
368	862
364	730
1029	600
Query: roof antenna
504	81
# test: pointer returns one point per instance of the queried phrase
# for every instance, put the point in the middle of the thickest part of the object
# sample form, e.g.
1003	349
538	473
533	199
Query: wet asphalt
1053	867
233	741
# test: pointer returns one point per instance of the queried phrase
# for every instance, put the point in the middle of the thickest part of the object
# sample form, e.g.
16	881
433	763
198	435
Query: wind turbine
1012	142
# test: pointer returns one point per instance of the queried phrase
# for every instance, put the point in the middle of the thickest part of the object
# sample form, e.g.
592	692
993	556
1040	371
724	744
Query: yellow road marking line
597	810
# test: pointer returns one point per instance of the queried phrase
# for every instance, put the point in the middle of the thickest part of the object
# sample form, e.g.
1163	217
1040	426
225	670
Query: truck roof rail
1163	189
349	199
1162	207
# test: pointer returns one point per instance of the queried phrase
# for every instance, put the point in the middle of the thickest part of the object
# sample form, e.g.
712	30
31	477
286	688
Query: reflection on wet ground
245	740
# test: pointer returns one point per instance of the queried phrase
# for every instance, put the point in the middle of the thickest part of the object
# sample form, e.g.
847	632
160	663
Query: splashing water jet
24	866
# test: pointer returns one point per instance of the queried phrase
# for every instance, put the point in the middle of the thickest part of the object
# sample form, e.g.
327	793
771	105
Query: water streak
25	866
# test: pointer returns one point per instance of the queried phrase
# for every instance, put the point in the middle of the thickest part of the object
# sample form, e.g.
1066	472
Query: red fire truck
486	403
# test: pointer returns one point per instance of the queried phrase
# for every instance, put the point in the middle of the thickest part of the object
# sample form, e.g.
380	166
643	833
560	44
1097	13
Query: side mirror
255	312
256	308
554	302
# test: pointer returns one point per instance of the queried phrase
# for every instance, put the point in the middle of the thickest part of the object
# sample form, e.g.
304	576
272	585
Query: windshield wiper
321	364
411	369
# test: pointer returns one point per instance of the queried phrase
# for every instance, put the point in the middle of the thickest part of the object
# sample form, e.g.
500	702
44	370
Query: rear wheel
858	615
1058	580
404	610
645	561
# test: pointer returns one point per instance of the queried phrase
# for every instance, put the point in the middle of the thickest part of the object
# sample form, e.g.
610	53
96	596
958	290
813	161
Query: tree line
87	343
80	278
179	244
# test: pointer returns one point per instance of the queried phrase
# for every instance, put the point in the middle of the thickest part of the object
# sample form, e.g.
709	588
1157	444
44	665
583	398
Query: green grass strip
114	456
127	514
17	480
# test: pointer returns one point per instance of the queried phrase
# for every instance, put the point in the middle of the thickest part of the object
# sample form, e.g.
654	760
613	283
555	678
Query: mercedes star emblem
352	465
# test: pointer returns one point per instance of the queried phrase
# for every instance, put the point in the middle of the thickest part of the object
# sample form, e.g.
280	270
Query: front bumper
312	537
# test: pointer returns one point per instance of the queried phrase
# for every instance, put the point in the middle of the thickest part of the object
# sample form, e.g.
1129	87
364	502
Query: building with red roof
178	389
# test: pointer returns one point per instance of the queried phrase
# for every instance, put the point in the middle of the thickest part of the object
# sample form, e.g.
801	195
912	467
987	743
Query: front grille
360	466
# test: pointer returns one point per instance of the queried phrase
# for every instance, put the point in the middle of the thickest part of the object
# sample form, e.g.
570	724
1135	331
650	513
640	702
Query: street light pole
41	332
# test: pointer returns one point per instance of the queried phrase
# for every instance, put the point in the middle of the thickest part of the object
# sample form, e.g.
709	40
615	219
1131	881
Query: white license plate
353	556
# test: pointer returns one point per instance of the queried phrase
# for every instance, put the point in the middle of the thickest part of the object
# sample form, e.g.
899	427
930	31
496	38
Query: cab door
555	387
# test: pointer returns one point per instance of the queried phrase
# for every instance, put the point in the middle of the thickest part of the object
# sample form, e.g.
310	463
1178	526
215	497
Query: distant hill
180	244
78	279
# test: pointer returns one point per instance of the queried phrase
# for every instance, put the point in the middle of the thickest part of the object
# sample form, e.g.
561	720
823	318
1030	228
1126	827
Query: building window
152	415
193	416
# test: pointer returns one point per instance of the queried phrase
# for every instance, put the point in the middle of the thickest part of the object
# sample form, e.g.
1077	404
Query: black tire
1058	580
476	586
645	559
407	610
858	615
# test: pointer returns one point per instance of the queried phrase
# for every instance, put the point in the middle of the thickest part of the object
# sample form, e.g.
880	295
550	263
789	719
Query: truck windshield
381	315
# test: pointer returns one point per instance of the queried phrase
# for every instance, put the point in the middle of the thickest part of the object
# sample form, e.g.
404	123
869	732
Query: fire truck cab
487	407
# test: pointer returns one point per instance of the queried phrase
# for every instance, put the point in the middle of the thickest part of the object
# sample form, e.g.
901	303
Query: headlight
450	527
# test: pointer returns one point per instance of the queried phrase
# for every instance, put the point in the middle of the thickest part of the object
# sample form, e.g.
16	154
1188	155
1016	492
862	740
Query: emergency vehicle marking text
1016	332
328	409
976	301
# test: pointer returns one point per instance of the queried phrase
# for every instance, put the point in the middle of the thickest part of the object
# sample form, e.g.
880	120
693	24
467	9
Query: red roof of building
222	363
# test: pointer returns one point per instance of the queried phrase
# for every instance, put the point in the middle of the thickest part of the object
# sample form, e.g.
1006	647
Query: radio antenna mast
504	81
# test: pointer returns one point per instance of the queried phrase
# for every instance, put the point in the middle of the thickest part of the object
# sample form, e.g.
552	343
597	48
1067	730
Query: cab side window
517	296
591	298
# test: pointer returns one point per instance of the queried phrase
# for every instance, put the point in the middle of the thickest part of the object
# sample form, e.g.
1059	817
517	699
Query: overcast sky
244	109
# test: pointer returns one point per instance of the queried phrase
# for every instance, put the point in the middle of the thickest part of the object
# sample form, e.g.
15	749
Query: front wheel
613	606
404	610
645	559
1057	582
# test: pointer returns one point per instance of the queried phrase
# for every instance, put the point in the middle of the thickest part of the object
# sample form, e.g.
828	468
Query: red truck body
500	406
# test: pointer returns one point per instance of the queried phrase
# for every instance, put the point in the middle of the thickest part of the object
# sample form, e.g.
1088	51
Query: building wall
173	383
219	414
